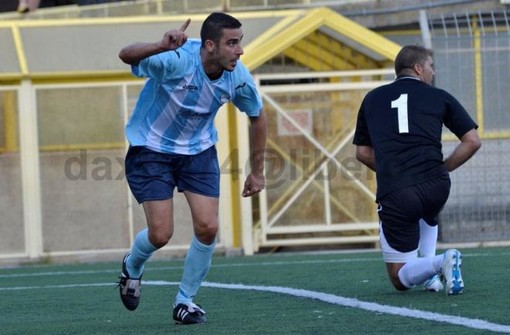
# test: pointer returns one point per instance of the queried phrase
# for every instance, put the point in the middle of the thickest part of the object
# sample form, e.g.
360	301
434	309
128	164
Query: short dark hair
212	28
409	56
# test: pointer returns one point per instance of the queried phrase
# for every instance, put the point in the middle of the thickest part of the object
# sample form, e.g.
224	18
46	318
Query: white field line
324	297
368	306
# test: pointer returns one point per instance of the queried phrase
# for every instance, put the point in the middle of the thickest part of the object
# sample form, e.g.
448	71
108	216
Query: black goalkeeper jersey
403	123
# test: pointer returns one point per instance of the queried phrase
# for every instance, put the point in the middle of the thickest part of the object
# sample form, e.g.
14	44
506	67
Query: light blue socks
141	251
196	266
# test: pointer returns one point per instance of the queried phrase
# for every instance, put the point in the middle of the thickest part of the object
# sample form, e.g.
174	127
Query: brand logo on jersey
190	87
241	86
224	99
192	115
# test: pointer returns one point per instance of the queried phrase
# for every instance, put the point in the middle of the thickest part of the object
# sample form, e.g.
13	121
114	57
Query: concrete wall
85	204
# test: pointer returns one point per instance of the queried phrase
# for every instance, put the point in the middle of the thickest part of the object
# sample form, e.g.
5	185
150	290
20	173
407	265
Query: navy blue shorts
401	210
153	176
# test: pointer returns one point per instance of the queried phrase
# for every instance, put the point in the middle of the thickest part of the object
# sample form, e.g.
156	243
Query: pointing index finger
185	25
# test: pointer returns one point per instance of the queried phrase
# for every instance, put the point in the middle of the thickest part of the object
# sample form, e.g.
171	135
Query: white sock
418	270
428	239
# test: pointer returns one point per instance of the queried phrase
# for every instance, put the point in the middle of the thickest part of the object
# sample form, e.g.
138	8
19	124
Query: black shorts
400	211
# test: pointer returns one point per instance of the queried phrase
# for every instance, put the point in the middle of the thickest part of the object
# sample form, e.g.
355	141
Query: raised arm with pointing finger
172	40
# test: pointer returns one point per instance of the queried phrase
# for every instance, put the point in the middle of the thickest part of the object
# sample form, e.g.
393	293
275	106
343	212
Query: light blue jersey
176	108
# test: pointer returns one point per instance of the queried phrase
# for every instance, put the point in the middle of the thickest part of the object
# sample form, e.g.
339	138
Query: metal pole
425	31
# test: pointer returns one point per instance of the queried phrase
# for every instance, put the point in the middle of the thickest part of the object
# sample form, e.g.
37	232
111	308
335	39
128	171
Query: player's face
427	72
229	48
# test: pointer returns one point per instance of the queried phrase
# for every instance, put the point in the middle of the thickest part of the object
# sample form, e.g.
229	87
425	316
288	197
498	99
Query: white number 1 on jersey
401	105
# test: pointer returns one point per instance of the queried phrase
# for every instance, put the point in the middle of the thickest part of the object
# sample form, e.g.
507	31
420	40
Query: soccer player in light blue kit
172	145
